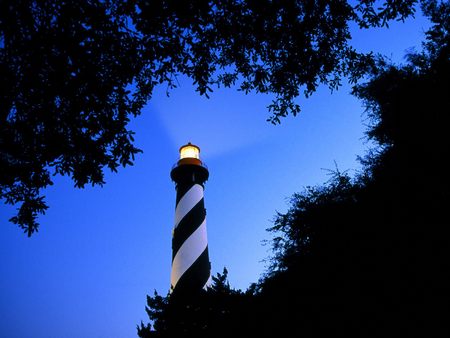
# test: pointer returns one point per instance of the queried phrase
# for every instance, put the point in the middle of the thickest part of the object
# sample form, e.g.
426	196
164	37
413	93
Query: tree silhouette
368	255
217	311
66	69
74	73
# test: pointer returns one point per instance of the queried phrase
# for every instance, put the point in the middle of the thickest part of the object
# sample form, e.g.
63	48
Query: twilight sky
100	251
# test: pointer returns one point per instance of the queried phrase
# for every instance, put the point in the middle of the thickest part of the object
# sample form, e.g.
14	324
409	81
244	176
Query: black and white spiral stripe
190	260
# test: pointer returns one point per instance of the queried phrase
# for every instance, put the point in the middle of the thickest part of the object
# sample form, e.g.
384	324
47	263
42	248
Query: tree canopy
74	73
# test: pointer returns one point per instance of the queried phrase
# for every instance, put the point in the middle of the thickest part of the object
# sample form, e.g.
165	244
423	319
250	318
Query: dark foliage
218	311
73	73
368	256
277	47
65	67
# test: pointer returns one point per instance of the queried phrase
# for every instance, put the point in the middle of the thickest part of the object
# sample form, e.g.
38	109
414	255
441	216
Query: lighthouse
191	269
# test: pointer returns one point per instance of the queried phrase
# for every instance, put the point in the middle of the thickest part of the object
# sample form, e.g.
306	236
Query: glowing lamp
189	151
190	157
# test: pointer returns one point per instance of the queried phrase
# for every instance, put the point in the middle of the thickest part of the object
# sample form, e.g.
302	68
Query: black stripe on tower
188	224
185	176
182	189
195	278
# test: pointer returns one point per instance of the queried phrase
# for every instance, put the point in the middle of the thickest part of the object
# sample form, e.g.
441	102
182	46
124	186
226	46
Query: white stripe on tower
187	202
189	252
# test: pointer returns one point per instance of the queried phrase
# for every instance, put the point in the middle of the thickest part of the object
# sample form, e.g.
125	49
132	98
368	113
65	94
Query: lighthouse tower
191	268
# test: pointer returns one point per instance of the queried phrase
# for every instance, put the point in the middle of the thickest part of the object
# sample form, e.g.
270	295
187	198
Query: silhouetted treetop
73	73
219	311
374	248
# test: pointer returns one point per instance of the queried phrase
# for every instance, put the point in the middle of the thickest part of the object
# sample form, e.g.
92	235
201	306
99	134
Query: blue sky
100	251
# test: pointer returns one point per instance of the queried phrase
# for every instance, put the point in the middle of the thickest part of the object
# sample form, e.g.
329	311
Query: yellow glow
189	152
